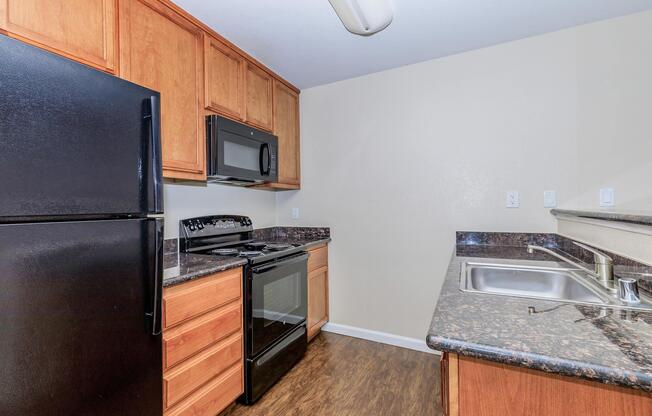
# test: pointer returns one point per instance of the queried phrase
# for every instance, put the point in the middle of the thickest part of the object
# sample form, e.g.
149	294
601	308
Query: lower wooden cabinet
482	388
317	290
195	372
213	397
203	345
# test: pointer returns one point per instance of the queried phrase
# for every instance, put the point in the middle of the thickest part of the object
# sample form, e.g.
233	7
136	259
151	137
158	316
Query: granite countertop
612	346
634	217
182	267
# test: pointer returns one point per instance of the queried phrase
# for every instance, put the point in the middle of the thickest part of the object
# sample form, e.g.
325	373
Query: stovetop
229	235
259	250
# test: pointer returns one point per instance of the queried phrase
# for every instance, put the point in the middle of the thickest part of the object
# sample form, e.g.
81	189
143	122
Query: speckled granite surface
636	217
613	346
182	267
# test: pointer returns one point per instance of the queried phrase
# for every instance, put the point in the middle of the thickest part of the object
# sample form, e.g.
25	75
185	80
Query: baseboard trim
377	336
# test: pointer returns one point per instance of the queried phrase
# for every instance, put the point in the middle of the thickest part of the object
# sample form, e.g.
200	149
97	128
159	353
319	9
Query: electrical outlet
607	197
513	200
549	199
295	213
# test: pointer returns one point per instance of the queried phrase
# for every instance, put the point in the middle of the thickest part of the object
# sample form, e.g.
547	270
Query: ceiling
304	41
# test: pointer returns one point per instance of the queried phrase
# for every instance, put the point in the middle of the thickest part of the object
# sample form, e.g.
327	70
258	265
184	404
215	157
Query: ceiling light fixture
364	17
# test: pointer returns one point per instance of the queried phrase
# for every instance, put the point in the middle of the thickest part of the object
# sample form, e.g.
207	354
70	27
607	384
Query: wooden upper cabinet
162	50
224	71
286	127
83	30
258	97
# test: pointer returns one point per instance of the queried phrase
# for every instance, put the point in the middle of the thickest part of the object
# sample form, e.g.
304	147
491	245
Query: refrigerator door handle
157	290
156	158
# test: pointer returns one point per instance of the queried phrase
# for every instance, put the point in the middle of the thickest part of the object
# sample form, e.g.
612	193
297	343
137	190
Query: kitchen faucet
603	271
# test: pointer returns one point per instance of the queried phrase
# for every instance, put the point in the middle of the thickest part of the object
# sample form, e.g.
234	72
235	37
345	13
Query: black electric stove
275	294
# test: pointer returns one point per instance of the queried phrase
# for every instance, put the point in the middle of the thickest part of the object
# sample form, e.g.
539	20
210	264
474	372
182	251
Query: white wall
395	162
187	199
614	65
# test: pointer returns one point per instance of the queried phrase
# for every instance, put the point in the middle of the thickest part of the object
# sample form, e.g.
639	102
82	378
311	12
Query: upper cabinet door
286	127
258	99
163	51
224	71
83	30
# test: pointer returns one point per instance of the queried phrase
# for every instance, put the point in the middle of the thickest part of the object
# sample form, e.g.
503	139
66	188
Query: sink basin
528	282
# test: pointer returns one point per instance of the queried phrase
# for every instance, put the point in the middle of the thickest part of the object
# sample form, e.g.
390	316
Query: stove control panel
214	225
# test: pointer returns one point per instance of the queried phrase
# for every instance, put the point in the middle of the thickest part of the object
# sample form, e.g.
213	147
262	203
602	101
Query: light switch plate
513	200
607	197
295	213
550	199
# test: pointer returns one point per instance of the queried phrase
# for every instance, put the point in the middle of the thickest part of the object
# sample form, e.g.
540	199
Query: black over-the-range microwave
238	154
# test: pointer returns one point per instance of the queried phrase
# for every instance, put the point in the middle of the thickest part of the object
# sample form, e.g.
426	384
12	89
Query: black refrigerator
81	238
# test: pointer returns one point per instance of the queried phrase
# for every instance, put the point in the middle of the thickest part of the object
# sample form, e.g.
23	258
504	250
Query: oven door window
279	301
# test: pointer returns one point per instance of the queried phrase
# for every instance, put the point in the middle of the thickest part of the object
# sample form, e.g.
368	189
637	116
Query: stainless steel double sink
540	282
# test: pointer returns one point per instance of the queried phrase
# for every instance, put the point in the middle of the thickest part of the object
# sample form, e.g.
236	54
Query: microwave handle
269	160
264	149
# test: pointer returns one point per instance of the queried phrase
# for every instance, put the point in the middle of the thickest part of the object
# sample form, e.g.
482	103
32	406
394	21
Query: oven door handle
292	260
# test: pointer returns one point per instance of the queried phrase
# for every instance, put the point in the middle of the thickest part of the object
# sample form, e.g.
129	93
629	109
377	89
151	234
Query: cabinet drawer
213	397
193	336
318	258
192	299
193	373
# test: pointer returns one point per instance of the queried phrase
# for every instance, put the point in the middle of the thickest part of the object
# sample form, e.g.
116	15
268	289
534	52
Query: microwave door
240	157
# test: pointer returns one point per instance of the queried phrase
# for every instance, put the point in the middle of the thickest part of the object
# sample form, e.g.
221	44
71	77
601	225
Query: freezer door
73	140
80	318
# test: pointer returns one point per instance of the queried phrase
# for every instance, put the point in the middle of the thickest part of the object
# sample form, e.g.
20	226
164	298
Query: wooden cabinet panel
188	339
84	30
258	97
286	127
191	299
449	389
224	71
191	374
317	300
318	258
214	396
492	389
203	344
163	51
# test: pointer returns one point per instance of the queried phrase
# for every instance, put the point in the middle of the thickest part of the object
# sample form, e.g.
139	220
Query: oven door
242	153
278	301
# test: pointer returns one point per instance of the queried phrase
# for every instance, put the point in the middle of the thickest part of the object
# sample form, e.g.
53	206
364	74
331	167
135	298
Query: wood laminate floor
348	376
